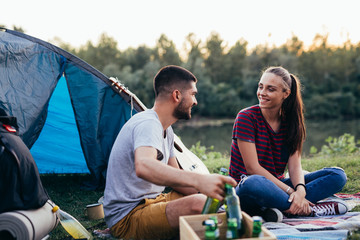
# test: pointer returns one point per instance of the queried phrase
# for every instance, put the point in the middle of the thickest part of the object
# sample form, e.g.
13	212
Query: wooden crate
191	227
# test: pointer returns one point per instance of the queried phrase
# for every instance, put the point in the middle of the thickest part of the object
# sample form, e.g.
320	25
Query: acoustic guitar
187	159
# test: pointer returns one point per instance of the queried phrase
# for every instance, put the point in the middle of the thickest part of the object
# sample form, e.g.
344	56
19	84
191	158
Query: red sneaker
333	207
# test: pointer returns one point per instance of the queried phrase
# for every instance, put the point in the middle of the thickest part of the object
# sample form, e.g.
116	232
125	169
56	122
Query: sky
141	22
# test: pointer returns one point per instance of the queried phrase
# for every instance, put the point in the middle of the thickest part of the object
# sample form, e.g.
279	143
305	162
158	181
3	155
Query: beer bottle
233	207
257	223
232	232
210	229
217	231
212	205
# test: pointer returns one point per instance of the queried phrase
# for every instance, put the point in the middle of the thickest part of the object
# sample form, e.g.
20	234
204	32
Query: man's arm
184	190
149	168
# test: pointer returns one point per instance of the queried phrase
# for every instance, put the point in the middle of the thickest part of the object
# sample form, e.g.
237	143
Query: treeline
228	75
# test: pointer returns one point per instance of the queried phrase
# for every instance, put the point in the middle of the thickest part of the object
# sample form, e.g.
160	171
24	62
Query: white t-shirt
124	190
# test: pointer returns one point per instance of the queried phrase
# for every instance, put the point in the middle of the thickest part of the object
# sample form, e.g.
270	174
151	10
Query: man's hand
213	185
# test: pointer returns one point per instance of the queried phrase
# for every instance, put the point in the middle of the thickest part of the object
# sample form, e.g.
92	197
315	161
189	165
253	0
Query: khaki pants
148	220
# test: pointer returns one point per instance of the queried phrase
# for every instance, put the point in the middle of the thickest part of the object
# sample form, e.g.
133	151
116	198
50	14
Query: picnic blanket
352	200
336	227
29	224
326	227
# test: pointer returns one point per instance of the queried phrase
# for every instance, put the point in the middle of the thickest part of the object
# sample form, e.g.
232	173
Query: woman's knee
253	183
339	174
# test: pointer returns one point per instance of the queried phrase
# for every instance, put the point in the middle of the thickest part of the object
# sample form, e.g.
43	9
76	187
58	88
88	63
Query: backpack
20	183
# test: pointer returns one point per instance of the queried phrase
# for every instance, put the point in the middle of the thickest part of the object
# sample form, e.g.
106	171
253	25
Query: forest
228	75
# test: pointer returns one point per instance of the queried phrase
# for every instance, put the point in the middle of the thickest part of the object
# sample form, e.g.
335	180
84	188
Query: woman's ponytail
293	114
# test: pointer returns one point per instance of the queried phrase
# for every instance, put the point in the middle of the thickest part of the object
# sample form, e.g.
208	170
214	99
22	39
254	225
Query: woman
269	137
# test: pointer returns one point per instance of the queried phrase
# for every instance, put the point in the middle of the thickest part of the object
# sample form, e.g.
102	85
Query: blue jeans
256	192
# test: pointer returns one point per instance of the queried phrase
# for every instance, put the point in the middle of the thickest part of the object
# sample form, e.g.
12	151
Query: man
142	162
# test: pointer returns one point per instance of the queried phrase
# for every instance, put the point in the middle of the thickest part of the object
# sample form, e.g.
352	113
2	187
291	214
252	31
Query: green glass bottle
257	223
217	231
210	229
232	232
212	205
233	207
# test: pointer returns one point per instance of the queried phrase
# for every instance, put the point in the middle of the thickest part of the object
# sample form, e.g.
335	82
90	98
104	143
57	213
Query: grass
67	192
349	162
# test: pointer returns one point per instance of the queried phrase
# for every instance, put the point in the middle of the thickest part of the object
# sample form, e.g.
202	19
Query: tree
192	45
19	29
294	46
15	28
136	58
106	52
235	63
215	57
166	53
141	57
318	60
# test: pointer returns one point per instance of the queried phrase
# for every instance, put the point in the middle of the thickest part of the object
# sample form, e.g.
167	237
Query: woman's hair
292	109
170	77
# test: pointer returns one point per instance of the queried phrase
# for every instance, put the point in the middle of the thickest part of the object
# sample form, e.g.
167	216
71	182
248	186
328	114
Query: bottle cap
223	171
257	219
55	208
209	224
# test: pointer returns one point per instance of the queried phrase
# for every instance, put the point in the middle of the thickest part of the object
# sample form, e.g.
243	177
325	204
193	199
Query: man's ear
176	95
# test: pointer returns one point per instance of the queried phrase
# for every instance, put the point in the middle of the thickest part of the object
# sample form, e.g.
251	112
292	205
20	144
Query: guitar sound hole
178	147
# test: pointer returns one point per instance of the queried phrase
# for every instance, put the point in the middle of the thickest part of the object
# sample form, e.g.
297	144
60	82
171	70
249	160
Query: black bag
20	184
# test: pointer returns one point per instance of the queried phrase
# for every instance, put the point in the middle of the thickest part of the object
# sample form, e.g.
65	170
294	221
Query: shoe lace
323	210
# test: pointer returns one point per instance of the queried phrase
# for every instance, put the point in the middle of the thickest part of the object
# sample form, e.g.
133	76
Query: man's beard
181	112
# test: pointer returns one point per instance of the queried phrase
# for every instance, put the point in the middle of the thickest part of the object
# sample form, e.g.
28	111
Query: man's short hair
170	77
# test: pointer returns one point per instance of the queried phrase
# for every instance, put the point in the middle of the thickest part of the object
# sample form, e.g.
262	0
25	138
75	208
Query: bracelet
287	190
300	184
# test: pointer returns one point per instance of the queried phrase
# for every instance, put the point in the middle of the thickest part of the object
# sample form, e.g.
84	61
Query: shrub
213	160
345	144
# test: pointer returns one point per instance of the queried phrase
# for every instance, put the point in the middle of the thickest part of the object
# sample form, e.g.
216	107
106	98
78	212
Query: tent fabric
29	73
59	139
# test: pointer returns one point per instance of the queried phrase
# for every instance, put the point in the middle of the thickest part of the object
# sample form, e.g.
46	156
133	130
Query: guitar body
188	160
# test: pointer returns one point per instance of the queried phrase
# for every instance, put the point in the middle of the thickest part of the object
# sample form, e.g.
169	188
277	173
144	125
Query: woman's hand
299	204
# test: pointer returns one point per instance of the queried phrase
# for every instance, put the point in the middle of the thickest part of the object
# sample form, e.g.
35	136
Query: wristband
300	184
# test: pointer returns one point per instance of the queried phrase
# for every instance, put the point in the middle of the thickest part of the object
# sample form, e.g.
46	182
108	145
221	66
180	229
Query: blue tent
30	70
59	138
76	106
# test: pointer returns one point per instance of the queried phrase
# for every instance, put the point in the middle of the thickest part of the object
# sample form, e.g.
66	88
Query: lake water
219	136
